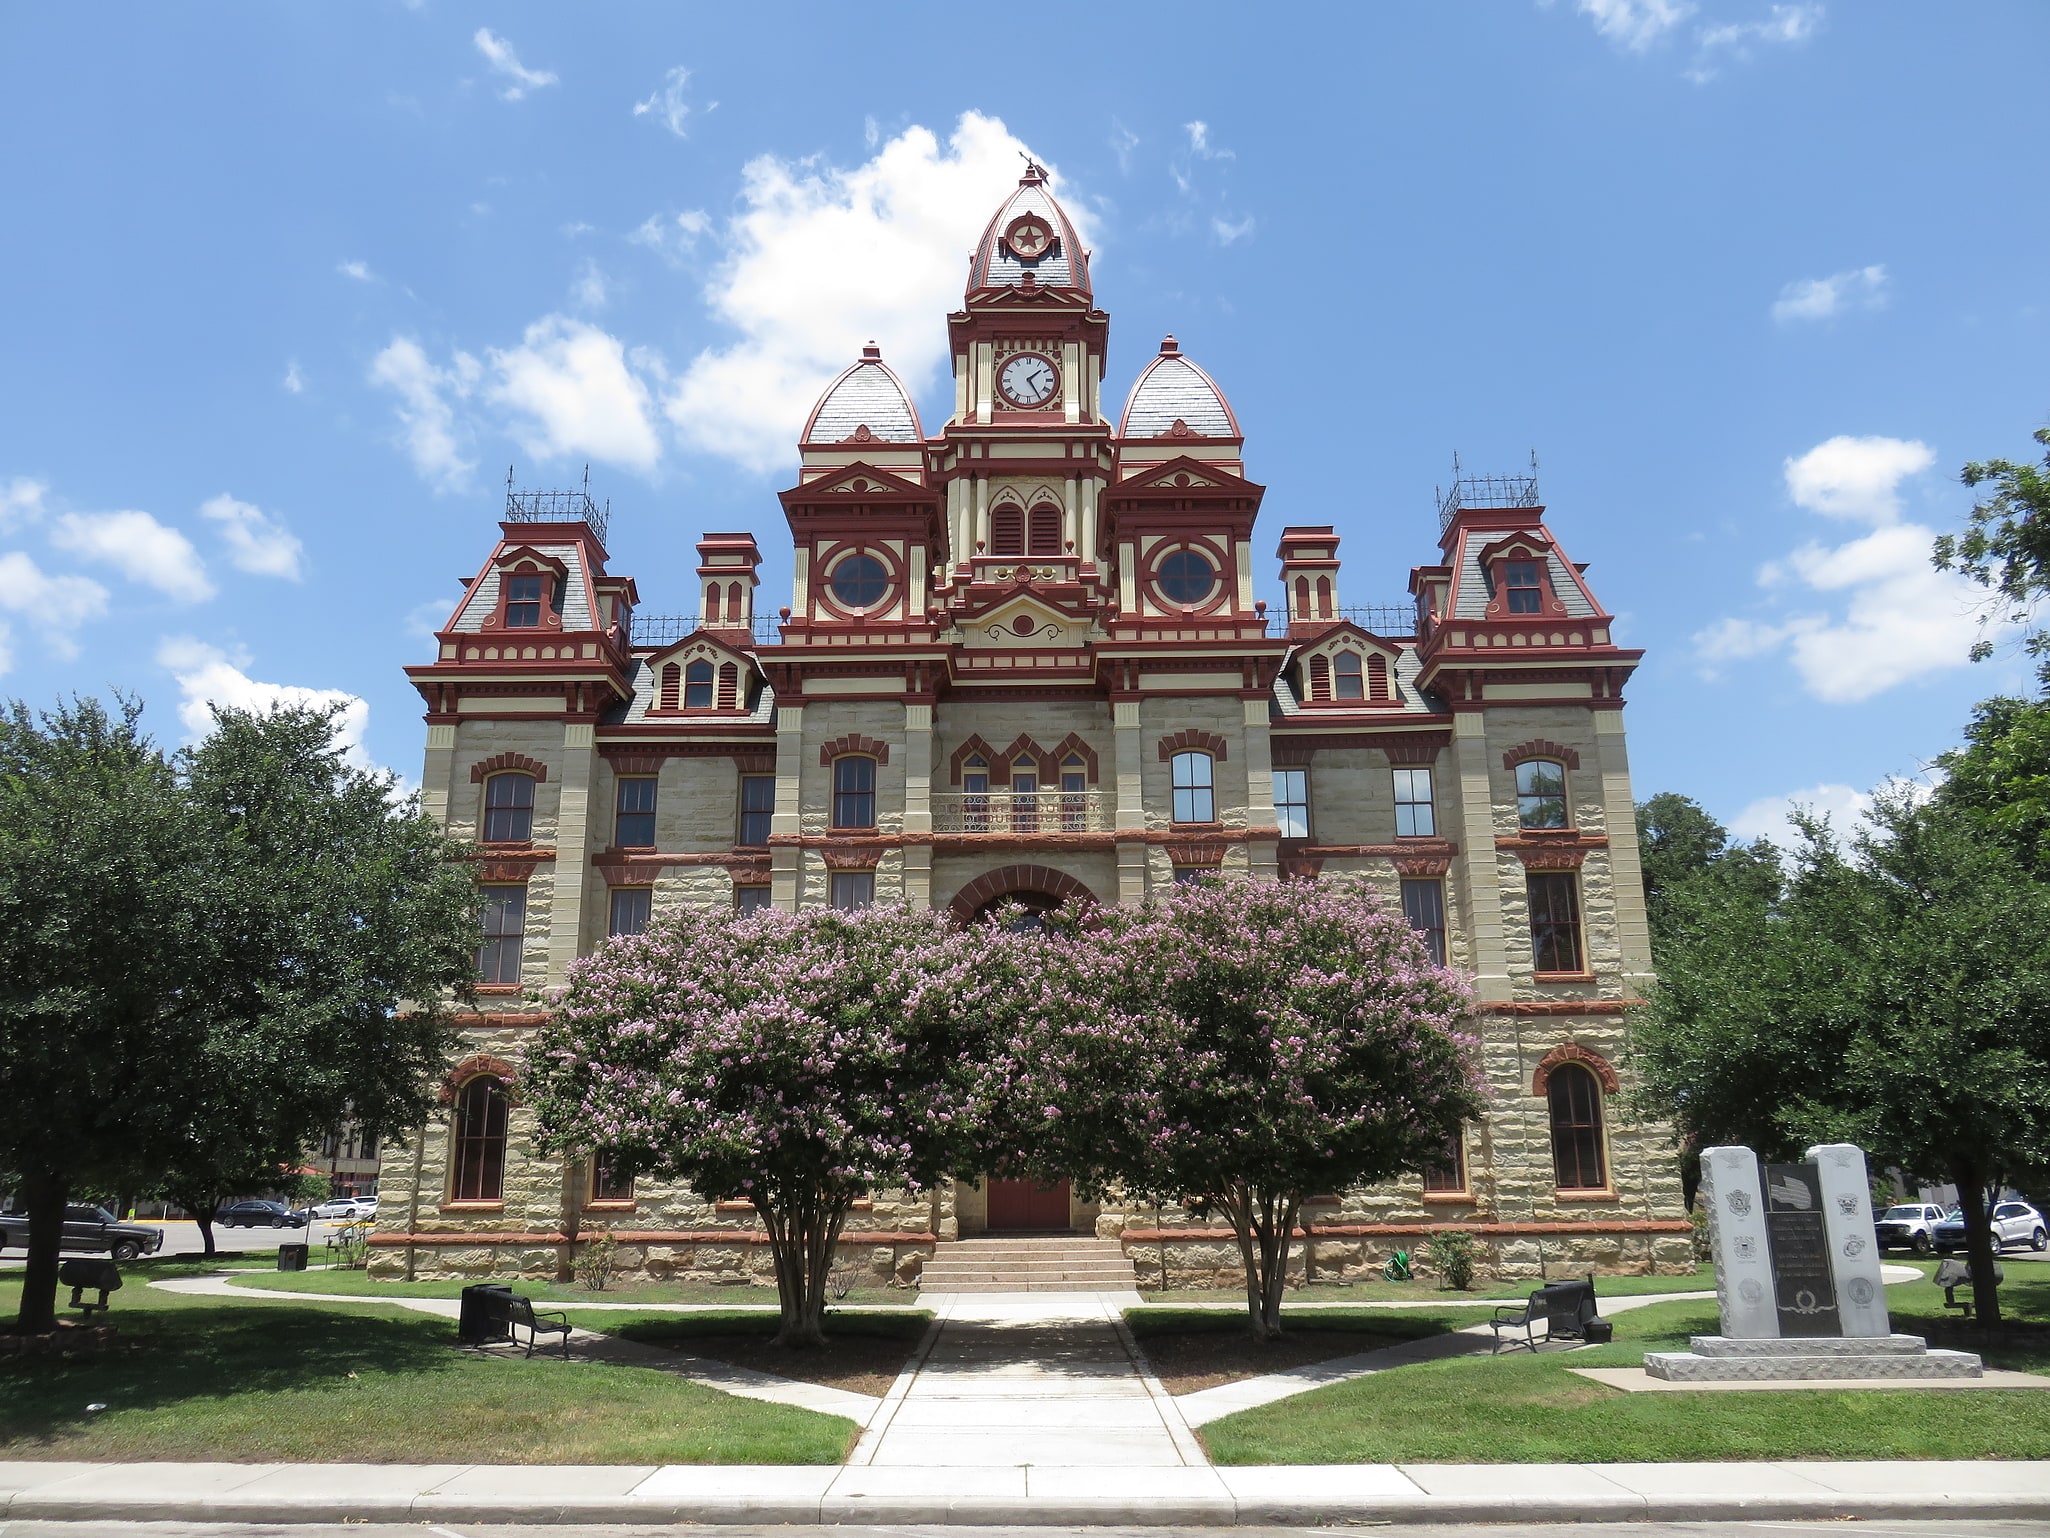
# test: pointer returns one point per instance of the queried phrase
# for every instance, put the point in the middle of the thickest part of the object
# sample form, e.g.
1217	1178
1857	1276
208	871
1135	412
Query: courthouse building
1024	660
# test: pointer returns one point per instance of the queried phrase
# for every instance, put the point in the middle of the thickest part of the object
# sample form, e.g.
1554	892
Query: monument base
1720	1359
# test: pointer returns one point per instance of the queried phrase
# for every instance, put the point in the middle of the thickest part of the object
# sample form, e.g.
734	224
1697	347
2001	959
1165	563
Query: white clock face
1028	380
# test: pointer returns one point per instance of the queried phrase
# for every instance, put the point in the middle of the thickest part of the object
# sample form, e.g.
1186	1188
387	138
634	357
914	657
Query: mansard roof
1173	390
867	395
1062	264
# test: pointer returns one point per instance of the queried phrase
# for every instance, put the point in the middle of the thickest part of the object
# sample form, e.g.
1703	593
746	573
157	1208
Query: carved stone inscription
1803	1281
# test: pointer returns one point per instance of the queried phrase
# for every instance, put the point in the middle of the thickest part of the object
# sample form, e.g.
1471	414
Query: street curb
280	1508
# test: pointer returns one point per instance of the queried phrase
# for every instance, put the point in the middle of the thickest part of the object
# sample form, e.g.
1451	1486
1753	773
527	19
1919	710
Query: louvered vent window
1046	530
1007	531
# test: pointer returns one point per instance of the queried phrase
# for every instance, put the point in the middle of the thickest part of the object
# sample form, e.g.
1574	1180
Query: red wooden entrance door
1020	1204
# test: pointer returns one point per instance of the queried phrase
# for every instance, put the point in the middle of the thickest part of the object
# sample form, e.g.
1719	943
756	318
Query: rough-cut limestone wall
478	741
826	720
1210	1263
1095	869
718	1265
1223	715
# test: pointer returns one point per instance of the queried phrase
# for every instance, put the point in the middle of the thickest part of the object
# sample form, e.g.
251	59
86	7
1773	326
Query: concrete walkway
1010	1495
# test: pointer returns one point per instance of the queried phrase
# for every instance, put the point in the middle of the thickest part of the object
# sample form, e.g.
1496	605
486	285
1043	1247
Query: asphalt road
183	1239
1877	1529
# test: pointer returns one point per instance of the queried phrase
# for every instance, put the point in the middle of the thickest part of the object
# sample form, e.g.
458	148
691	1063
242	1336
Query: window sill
1197	827
1562	977
1449	1198
1586	1196
1563	835
626	1206
459	1208
502	990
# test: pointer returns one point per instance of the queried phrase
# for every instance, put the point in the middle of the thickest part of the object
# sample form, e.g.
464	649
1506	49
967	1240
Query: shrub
596	1262
1453	1256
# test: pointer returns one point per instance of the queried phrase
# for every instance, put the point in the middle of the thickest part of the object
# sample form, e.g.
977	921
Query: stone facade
1038	591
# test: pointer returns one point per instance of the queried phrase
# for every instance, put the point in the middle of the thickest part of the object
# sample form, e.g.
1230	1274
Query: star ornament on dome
1028	237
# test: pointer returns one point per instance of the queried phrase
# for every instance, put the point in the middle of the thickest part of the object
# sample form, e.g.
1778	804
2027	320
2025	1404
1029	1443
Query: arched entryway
1036	887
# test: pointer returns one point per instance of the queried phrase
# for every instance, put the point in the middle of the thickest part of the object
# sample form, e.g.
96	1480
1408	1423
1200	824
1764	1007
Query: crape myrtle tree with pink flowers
799	1062
1240	1046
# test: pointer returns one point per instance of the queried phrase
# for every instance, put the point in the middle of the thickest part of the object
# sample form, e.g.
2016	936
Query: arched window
1074	793
525	592
729	685
1541	793
975	795
733	611
1320	678
1526	594
1323	598
1007	531
711	600
1025	796
1348	670
1574	1097
1302	597
1377	678
508	809
854	792
1194	798
697	685
1046	529
672	687
477	1165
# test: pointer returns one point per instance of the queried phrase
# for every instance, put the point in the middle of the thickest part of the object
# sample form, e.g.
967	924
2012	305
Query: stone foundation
1204	1258
740	1260
1718	1359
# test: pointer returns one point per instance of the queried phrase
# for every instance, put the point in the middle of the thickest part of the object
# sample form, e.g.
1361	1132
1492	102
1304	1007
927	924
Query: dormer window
1526	589
697	685
1351	682
523	599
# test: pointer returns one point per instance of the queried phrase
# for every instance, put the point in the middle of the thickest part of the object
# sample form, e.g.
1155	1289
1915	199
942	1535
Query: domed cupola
1175	399
1031	243
866	404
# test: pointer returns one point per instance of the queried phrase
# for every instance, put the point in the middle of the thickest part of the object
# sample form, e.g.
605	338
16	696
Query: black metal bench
516	1313
83	1276
1565	1309
1952	1274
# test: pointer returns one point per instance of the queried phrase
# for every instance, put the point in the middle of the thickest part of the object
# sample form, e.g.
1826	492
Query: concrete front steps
1028	1263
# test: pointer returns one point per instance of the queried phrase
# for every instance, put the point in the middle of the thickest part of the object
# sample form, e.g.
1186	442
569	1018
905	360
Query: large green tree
1681	843
2001	776
1894	993
2006	543
207	960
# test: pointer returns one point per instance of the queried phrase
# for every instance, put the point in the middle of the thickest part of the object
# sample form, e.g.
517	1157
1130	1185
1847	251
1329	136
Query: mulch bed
1188	1360
861	1364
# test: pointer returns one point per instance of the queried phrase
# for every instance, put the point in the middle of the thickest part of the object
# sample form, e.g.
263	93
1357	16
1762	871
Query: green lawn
1395	1325
359	1282
197	1378
1427	1289
1519	1408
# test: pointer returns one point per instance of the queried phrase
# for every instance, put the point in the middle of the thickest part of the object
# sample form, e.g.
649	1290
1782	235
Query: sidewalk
1022	1494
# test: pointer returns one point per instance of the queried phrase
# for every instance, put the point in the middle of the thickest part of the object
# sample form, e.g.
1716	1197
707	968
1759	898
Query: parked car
259	1214
340	1207
1910	1226
90	1228
2013	1223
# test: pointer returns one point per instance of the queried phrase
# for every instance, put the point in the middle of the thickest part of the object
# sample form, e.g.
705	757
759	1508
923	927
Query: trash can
1599	1332
292	1257
479	1324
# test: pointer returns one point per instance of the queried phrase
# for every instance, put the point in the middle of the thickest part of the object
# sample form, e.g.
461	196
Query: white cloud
1889	617
140	548
257	542
208	676
1200	145
1228	232
294	381
21	501
426	408
820	260
675	237
1858	288
572	380
667	106
588	291
1771	816
1783	26
1635	24
360	271
1122	142
499	54
428	616
1856	478
55	605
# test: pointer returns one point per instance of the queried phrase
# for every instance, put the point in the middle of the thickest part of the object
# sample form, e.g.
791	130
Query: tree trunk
1263	1222
45	1197
1972	1201
804	1231
200	1206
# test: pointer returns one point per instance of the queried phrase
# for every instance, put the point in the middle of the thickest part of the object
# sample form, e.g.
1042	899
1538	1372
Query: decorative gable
701	675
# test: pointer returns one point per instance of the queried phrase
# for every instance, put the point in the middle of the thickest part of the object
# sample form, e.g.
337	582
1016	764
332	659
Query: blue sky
288	287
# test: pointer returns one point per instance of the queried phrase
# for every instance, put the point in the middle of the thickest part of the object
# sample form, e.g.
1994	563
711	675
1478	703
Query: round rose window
1187	577
859	581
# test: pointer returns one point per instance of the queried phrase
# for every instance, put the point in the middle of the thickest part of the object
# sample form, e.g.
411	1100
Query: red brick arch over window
485	768
481	1066
1194	738
853	742
1537	747
1017	878
1574	1052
